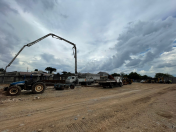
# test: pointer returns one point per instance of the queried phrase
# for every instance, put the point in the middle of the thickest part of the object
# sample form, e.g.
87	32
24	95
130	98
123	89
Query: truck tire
72	86
120	84
38	87
111	85
61	87
14	90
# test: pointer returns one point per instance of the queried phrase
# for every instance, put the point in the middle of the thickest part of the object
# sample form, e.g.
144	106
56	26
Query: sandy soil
131	108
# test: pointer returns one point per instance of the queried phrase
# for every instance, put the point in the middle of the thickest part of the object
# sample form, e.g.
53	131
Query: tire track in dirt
99	104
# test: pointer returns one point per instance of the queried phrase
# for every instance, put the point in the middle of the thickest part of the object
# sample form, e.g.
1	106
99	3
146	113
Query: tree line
132	75
135	75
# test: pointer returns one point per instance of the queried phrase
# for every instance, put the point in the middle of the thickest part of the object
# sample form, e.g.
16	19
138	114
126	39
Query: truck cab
71	79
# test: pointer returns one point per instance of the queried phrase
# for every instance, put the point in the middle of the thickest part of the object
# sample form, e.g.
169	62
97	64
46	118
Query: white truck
111	82
83	78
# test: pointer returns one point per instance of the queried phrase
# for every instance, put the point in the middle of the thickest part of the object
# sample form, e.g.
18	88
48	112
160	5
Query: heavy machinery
82	79
127	81
161	80
36	86
111	82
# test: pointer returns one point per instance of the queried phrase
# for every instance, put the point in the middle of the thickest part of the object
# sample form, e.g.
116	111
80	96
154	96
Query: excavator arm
36	41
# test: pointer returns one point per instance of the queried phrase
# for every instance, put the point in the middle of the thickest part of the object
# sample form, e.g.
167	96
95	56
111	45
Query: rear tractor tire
38	87
14	90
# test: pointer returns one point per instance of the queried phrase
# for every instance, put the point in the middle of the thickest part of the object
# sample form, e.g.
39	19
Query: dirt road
131	108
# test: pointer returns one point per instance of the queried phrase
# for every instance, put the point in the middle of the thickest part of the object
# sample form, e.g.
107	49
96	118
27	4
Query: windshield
68	78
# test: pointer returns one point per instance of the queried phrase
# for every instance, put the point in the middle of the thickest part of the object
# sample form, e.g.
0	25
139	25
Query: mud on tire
38	87
14	90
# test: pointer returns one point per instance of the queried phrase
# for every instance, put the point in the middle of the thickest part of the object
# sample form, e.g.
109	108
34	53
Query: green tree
64	73
159	75
134	75
50	69
122	74
2	70
36	69
145	77
115	74
58	73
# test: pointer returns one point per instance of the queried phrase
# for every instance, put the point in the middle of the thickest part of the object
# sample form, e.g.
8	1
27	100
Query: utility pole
27	69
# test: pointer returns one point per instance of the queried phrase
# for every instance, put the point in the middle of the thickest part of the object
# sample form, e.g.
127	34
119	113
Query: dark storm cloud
53	62
152	38
5	8
133	62
46	11
158	36
49	58
7	43
165	65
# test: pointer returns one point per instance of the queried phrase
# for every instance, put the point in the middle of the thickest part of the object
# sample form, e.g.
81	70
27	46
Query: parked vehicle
168	82
83	79
127	81
61	86
111	82
16	87
142	81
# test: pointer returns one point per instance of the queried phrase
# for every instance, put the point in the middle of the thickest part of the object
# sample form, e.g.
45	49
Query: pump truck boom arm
36	41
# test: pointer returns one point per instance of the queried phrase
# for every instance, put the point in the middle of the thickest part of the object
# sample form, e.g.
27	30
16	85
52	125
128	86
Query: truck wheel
38	87
120	84
14	90
111	85
72	86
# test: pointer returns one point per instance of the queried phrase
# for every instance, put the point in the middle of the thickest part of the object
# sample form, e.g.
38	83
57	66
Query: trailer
82	79
111	82
87	78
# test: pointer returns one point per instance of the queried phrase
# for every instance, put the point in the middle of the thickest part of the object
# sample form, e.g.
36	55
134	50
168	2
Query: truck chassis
111	82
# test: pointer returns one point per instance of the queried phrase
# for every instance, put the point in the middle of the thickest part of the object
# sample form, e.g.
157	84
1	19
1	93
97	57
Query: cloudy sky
110	35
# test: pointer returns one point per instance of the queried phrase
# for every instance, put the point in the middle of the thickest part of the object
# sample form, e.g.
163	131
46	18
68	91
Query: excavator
36	86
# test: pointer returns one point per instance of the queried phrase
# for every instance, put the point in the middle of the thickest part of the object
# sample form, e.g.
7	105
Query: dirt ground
131	108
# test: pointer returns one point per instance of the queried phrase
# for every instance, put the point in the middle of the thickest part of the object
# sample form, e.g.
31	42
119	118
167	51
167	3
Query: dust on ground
131	108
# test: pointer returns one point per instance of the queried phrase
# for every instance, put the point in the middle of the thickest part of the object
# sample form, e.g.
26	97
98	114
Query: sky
111	36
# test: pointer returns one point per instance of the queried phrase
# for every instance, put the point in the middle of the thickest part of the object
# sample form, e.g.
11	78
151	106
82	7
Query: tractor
31	84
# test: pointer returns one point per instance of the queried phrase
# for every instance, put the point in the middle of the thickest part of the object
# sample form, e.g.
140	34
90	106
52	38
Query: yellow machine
161	80
127	81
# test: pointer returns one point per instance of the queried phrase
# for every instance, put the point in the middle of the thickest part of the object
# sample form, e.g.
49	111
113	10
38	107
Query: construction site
85	102
134	107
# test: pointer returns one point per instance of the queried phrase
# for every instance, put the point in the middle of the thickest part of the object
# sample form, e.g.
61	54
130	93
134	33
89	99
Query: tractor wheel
72	86
14	90
61	87
38	87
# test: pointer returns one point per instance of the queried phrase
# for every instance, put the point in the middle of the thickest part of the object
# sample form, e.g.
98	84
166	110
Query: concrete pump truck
36	86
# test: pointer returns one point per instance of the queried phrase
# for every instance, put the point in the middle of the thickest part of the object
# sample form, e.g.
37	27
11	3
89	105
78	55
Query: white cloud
146	31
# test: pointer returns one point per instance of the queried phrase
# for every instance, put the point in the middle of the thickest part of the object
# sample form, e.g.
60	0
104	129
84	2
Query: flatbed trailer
111	82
